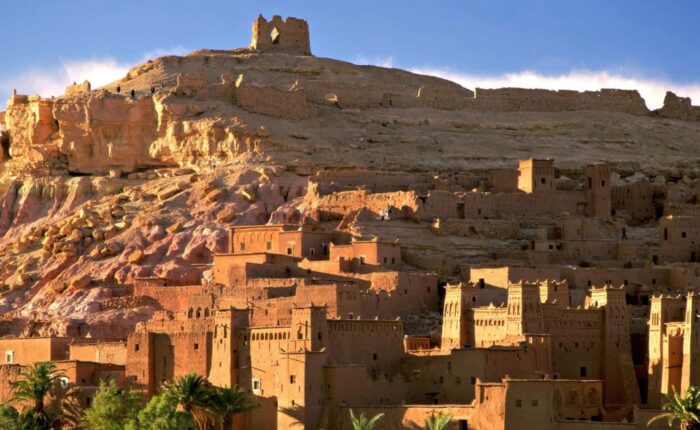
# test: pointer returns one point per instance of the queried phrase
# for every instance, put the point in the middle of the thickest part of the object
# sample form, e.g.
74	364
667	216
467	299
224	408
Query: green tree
685	410
9	418
438	422
228	402
195	397
111	408
31	389
160	413
362	422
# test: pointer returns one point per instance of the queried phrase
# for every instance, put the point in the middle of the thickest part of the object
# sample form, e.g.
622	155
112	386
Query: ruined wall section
521	99
277	34
679	108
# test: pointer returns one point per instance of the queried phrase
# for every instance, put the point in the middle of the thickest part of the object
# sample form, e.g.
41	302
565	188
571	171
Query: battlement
522	99
74	89
288	35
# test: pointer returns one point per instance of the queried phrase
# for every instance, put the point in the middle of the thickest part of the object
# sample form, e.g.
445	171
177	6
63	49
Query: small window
393	260
472	380
458	380
319	336
257	386
289	251
386	260
242	246
137	347
9	357
374	356
683	235
196	347
292	379
582	371
312	251
535	403
268	246
518	403
543	180
88	401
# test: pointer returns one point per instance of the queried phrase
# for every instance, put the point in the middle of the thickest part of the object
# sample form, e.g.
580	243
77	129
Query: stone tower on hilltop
288	35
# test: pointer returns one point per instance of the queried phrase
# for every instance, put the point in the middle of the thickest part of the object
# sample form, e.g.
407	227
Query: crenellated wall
679	108
522	99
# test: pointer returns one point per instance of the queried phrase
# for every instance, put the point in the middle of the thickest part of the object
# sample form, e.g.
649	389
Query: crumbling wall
273	101
522	99
169	298
679	108
74	89
336	205
291	34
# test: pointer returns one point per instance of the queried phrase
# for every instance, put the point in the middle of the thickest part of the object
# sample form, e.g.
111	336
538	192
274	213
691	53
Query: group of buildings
312	322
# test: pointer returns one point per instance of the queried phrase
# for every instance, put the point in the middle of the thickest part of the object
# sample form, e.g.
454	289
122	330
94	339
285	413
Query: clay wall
99	352
634	201
8	373
536	176
88	373
503	181
173	298
490	228
329	181
577	341
26	351
679	239
305	244
521	99
501	277
399	294
679	108
337	205
375	344
486	326
578	277
74	89
271	101
529	402
277	34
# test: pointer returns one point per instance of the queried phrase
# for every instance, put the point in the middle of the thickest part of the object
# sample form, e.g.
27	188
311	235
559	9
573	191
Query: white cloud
52	82
653	90
99	72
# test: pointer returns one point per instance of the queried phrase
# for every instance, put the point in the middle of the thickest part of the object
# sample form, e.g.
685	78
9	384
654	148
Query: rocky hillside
140	178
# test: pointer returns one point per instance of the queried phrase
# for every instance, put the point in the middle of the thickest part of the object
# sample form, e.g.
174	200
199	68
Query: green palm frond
439	421
684	409
362	422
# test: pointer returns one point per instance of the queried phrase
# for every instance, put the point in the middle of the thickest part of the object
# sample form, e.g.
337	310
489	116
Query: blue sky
550	44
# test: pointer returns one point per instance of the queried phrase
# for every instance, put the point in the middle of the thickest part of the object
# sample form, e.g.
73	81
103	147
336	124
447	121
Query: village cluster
593	324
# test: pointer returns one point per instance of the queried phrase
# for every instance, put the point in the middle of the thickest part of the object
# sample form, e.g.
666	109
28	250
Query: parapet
288	35
679	108
522	99
74	89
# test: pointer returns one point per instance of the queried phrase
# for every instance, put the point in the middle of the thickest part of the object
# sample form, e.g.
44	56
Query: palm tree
439	421
194	396
685	410
229	402
362	422
33	385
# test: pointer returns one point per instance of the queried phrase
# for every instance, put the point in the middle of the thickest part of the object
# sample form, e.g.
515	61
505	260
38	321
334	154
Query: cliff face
99	187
